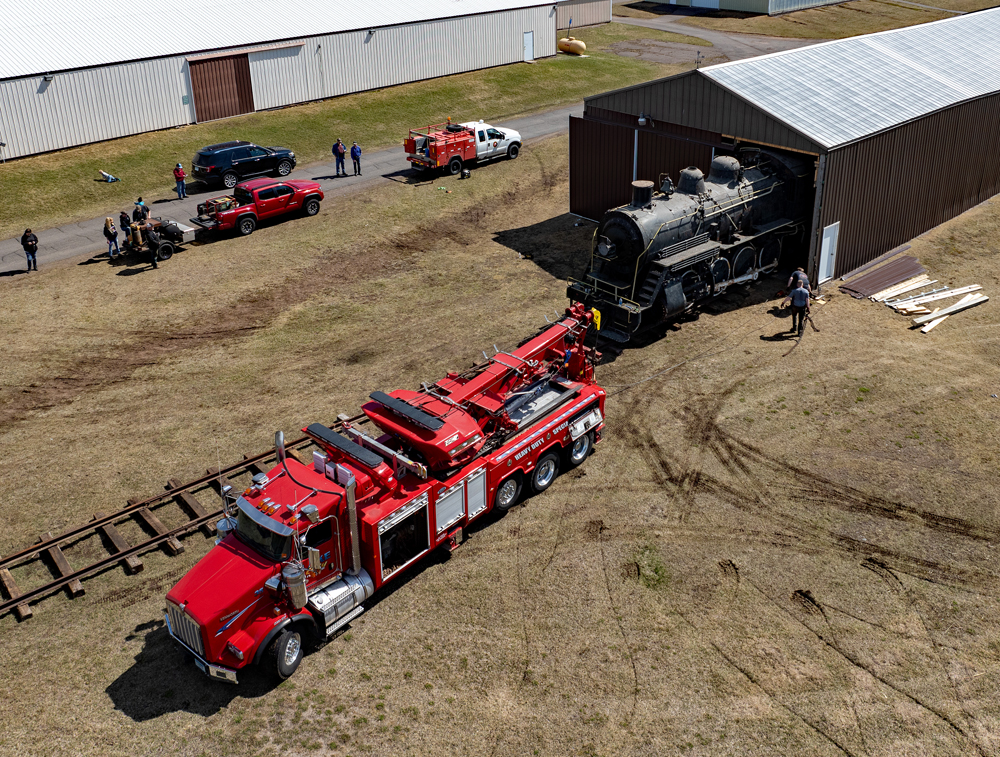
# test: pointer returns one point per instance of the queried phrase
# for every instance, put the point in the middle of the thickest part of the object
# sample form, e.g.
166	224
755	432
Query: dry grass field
773	552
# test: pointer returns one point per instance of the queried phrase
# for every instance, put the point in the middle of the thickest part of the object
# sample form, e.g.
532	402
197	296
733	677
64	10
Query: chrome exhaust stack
279	446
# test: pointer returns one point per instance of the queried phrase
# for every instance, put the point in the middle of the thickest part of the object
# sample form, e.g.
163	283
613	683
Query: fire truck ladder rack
147	516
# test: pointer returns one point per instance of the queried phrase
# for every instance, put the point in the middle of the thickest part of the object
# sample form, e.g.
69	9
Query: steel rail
35	550
93	525
109	561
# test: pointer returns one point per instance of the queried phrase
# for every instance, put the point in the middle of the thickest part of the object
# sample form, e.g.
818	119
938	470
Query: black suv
232	162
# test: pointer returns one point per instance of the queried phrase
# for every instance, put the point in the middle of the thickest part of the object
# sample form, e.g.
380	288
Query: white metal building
76	74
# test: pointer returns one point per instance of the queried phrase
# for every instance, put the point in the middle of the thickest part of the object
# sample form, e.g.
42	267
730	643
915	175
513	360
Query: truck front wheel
285	654
513	151
311	207
455	166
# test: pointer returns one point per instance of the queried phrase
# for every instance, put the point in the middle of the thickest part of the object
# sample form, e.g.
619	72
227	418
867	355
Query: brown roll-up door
222	87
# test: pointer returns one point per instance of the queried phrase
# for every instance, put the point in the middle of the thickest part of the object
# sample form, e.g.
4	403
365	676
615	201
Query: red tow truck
450	146
305	545
257	200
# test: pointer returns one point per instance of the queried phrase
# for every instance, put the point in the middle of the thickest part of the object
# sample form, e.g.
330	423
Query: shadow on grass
560	246
8	274
162	681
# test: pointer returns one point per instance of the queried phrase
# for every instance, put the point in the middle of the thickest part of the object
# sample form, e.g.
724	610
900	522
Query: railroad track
163	520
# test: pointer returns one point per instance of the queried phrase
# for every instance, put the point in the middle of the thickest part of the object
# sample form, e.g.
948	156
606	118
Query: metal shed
904	127
85	79
577	13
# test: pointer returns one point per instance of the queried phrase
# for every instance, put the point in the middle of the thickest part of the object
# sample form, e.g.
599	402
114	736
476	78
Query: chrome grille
185	629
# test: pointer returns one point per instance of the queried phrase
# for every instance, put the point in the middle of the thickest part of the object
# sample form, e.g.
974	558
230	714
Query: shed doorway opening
222	87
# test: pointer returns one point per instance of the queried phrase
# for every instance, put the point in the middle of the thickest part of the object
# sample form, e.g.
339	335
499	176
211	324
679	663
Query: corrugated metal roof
840	91
68	34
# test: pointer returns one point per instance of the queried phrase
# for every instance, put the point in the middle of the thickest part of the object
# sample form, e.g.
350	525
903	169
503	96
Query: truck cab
492	142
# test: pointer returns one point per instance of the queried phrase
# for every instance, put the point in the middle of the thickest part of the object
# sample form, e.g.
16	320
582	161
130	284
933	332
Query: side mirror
314	563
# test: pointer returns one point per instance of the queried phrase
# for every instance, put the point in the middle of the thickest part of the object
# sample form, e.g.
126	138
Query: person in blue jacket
356	157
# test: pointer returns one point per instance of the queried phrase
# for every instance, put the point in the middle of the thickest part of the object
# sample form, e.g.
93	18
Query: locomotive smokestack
642	193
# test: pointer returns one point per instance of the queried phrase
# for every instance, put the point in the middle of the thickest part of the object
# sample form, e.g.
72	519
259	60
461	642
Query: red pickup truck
257	200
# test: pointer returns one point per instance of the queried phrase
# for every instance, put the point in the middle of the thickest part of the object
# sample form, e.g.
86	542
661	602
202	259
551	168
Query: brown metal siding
692	100
222	87
600	166
664	155
601	157
889	188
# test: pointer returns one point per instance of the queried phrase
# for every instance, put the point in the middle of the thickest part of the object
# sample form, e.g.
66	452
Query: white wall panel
92	105
583	13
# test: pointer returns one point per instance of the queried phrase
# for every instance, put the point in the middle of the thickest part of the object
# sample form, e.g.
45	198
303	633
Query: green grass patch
49	190
832	21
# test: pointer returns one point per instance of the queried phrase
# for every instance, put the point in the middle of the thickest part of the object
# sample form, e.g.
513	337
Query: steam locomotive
665	251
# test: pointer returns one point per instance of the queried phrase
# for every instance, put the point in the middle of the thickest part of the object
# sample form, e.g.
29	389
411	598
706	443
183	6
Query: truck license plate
201	666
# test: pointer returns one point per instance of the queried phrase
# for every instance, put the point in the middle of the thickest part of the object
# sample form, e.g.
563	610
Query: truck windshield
266	535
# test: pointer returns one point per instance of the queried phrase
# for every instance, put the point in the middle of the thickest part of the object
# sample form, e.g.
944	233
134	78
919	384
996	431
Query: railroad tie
172	545
55	554
22	611
219	482
194	508
132	564
253	468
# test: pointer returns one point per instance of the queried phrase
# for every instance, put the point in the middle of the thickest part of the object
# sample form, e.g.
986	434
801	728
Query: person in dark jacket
339	150
796	277
123	223
356	157
111	234
799	297
141	212
153	242
29	243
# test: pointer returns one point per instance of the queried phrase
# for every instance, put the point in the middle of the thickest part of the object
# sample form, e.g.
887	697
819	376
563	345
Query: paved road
733	46
87	238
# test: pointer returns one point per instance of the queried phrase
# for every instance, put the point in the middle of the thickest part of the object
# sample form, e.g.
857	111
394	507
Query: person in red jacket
179	177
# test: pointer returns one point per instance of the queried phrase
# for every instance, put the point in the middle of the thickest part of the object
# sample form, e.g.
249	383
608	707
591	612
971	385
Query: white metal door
476	493
828	252
529	44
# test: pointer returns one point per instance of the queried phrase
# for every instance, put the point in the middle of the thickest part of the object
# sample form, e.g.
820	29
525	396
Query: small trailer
168	236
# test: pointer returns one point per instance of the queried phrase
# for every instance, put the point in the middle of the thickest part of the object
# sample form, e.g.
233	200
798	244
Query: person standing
797	276
356	157
179	177
153	243
339	150
29	243
111	234
799	297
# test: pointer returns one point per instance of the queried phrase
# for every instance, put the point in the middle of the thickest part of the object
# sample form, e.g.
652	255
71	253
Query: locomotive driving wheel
743	261
770	254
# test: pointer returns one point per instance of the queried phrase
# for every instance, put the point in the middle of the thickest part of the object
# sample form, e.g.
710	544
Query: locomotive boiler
665	251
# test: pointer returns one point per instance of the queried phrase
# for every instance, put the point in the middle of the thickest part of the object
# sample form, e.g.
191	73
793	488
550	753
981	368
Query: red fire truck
305	545
451	147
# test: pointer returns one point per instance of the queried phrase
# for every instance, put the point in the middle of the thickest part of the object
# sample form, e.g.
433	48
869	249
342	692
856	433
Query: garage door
221	87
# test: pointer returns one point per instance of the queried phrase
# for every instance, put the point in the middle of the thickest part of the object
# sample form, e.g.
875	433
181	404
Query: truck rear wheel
246	226
545	472
455	166
285	654
230	179
578	450
508	493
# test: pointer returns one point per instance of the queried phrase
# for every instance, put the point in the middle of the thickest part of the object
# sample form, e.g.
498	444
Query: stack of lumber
918	298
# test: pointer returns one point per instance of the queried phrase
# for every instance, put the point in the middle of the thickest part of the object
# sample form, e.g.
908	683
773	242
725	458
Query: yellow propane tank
572	45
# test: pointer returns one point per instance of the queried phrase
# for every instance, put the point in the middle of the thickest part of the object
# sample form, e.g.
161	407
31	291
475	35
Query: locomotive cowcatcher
665	251
305	545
